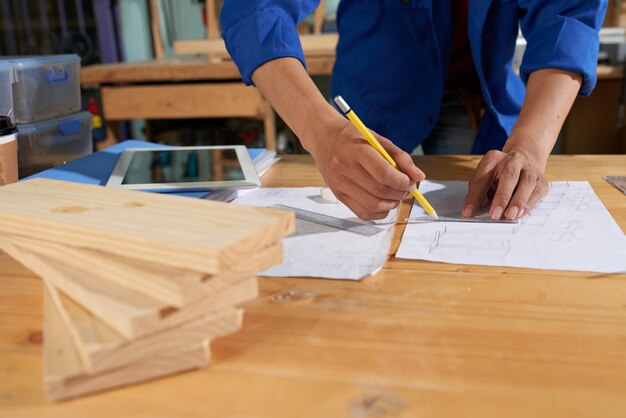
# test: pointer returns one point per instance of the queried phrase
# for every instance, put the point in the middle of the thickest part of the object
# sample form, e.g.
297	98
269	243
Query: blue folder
96	168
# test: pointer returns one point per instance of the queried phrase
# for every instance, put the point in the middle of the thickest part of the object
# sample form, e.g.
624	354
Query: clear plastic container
6	92
54	142
45	87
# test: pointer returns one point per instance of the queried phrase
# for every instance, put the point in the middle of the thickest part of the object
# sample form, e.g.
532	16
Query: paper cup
8	159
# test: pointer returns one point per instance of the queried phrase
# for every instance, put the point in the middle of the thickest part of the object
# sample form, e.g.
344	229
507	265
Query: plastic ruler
331	221
619	182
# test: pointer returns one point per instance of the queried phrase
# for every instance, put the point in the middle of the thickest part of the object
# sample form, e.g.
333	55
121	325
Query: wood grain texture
313	45
198	235
212	22
215	100
179	69
170	286
420	339
100	348
201	68
130	313
64	373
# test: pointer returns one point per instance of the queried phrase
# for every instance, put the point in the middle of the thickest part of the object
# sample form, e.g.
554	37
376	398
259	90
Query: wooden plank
171	286
165	69
202	69
212	23
218	100
210	47
214	48
60	355
179	69
610	72
128	312
197	235
64	373
319	16
101	348
321	45
155	26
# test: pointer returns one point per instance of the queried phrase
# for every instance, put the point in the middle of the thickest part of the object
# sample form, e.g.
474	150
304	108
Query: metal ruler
331	221
619	182
477	219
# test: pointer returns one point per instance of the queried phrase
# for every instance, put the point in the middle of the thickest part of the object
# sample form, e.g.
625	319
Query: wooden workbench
419	339
182	88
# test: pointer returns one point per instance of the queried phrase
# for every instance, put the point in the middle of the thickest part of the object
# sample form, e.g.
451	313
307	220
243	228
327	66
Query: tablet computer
179	169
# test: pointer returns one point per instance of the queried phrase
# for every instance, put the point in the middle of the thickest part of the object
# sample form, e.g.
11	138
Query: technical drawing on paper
570	229
316	250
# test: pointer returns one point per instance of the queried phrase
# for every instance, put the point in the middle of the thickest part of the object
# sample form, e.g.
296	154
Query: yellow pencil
341	103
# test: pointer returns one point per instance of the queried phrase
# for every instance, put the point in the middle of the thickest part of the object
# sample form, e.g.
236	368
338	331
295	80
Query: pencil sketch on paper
316	250
570	229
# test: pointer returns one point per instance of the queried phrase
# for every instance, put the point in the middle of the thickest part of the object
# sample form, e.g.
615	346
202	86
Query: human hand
360	177
515	179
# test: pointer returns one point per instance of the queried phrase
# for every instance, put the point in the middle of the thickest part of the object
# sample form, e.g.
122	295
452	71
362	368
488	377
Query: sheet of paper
320	251
570	229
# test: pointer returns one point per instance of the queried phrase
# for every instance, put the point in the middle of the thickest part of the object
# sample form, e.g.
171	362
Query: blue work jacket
393	55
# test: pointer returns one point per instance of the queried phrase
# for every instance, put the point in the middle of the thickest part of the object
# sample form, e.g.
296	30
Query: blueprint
570	229
316	250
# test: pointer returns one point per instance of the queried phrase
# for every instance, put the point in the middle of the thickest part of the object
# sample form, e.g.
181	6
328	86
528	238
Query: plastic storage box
47	144
45	87
6	92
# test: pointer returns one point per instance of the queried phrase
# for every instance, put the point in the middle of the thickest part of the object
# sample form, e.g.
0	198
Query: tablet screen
183	165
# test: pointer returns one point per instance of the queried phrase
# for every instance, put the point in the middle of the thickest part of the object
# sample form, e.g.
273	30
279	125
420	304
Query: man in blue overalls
399	64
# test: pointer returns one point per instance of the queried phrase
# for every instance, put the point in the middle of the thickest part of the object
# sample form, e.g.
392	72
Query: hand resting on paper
514	180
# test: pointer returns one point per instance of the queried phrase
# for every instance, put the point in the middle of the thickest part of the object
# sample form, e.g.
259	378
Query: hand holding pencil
367	135
357	174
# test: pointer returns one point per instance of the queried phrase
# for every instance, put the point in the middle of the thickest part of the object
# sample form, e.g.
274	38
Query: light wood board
198	235
179	69
64	373
319	45
174	287
215	100
101	348
128	312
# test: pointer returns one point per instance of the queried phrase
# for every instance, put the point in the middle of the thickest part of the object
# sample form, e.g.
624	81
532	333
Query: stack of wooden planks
136	284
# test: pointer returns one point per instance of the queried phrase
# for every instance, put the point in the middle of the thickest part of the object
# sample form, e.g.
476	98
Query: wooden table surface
419	339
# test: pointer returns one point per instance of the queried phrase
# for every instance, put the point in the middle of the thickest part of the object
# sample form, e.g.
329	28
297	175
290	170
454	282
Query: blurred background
157	70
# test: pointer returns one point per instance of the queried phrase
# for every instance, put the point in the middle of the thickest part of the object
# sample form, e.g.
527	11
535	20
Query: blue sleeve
258	31
562	34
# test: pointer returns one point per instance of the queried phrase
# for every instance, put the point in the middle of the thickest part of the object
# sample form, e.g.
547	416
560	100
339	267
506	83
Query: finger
479	185
540	191
507	182
366	199
361	177
360	211
384	173
402	159
519	202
